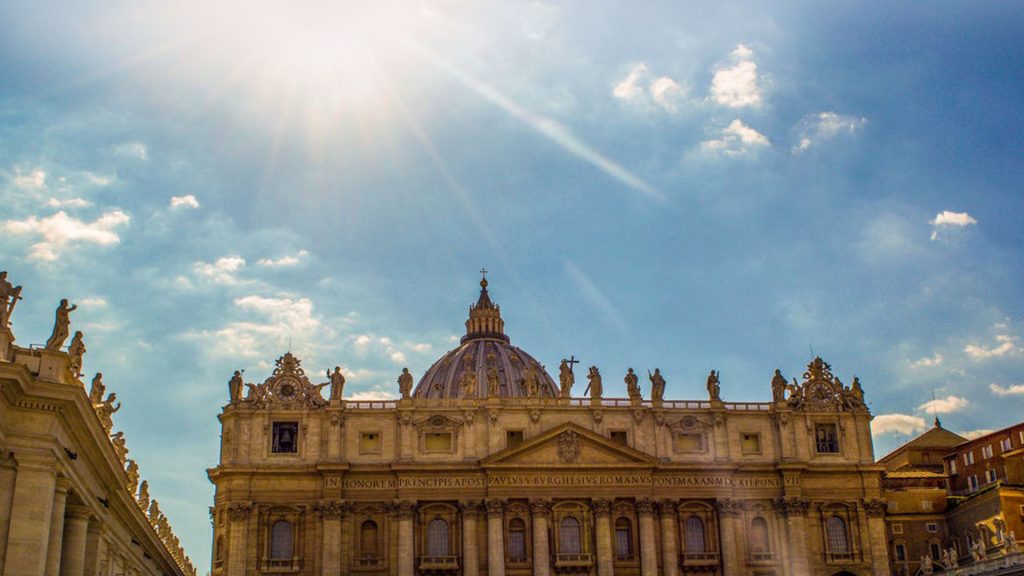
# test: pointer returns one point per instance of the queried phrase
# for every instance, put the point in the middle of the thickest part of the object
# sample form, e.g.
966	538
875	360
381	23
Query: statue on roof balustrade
117	441
132	472
632	385
337	380
9	296
143	497
76	350
714	388
61	325
596	388
565	378
657	385
405	383
106	409
97	389
235	385
778	387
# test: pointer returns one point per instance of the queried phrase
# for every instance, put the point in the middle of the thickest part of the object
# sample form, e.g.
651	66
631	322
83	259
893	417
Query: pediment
569	446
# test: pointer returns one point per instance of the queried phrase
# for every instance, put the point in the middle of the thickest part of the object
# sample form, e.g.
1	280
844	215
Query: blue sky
673	184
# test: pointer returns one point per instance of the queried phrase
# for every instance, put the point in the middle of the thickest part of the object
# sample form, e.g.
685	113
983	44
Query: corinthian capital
645	507
602	506
495	507
540	507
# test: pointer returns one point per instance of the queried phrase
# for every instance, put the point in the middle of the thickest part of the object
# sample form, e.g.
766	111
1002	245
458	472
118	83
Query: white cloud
736	139
927	362
133	149
947	219
897	424
284	261
1012	390
629	88
737	85
972	434
295	313
59	230
186	201
666	93
223	271
816	128
372	395
94	302
944	405
1007	345
281	322
31	181
365	344
68	203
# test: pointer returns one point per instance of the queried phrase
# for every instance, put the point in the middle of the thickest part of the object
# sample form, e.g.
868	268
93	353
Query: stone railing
571	402
1012	563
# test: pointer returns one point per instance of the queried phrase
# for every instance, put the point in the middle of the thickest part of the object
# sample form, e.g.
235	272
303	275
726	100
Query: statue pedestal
6	342
53	366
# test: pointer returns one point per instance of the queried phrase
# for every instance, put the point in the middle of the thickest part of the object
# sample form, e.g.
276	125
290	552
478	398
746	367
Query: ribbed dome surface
485	352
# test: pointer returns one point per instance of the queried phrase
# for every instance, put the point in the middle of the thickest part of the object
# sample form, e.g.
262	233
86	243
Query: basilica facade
489	466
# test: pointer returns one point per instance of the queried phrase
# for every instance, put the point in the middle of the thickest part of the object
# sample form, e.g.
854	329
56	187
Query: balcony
842	557
581	562
439	564
699	560
761	557
280	565
368	563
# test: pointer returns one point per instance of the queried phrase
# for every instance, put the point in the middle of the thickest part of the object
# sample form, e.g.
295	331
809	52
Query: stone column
603	532
56	546
648	548
470	550
540	510
238	538
7	475
76	530
331	513
95	548
728	515
669	549
879	548
796	527
404	510
31	512
495	538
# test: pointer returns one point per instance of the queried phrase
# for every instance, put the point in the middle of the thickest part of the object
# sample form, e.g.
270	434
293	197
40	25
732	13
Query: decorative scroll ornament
333	508
875	507
569	446
821	391
602	506
729	507
794	506
288	388
494	507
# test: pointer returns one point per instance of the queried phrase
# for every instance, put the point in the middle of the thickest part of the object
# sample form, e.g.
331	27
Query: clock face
286	390
820	393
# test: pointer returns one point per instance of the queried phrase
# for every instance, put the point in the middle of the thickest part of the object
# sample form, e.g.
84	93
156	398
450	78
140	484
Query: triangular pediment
570	446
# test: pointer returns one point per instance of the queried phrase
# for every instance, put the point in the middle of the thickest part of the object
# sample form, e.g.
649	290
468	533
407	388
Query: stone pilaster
31	513
403	510
728	516
55	547
7	476
795	510
331	513
95	548
470	549
879	548
238	538
648	547
603	532
495	538
539	511
76	532
669	549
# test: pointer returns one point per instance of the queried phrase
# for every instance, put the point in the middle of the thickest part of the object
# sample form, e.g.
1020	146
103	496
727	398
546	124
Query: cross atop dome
484	316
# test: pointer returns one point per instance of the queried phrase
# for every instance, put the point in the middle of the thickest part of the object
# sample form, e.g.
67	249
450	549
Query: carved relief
287	388
794	506
494	507
729	507
645	507
601	506
875	507
333	509
236	512
569	446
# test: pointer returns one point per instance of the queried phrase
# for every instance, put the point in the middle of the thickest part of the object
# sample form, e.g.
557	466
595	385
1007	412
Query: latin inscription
555	480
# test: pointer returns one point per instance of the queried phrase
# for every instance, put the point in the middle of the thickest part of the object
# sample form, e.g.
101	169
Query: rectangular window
968	458
952	467
825	439
990	476
901	552
517	546
972	482
986	451
893	506
437	441
931	527
1005	445
619	436
1020	436
750	443
935	550
369	443
926	505
285	438
513	438
897	528
689	442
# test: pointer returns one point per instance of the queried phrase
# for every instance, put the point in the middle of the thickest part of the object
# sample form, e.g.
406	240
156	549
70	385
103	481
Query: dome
485	360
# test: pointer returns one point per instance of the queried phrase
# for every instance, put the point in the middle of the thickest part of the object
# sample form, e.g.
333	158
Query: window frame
831	429
275	427
756	436
364	437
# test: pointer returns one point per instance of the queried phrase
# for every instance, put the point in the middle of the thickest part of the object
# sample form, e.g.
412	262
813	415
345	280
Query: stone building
490	466
68	492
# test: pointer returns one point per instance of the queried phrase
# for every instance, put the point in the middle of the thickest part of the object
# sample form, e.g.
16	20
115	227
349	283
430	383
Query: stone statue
97	389
595	387
132	472
106	409
154	512
714	389
945	559
61	325
857	392
493	385
235	386
143	499
117	441
657	385
405	383
926	564
565	379
337	383
632	386
530	381
9	296
468	381
778	387
954	558
75	352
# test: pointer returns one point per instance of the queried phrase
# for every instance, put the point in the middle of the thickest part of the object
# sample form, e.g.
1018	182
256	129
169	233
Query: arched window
517	540
437	538
759	536
569	536
835	529
281	540
368	544
623	538
694	535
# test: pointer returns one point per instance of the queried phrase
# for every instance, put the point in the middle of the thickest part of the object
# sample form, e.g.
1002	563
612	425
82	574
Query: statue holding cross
566	378
9	296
